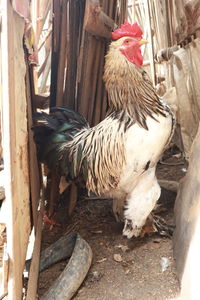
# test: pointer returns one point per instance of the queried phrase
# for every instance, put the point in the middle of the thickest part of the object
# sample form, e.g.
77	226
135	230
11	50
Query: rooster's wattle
116	158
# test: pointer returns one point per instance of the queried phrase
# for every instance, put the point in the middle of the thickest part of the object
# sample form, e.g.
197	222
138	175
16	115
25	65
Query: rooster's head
128	40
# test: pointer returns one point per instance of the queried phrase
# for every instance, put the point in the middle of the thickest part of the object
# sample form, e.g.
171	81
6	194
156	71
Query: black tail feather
53	131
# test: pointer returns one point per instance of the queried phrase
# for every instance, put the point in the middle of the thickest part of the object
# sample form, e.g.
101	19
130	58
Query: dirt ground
121	268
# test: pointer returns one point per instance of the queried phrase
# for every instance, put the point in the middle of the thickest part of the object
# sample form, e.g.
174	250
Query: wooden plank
74	47
62	54
187	231
34	172
151	51
35	261
55	51
15	139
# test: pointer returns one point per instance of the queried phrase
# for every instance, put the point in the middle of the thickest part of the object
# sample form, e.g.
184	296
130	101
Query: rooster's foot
118	209
49	220
131	230
161	226
154	223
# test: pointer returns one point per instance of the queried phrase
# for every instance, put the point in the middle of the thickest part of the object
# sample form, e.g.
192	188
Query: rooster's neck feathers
129	88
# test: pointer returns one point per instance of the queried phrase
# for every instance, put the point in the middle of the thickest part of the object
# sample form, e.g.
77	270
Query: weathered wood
62	54
39	12
45	38
16	166
186	237
45	75
151	50
43	66
34	268
55	51
98	112
34	172
96	21
74	34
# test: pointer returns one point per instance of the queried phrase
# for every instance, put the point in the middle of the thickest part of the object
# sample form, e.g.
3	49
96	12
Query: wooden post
15	139
62	54
151	52
35	261
55	51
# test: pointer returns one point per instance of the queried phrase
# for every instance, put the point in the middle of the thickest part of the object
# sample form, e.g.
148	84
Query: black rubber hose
66	285
60	250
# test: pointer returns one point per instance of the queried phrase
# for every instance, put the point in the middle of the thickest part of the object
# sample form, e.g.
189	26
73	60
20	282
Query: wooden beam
15	138
34	172
96	21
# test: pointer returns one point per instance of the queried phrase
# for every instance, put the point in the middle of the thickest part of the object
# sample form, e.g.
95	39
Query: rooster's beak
142	42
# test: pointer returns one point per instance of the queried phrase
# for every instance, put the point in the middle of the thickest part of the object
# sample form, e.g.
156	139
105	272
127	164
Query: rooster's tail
52	132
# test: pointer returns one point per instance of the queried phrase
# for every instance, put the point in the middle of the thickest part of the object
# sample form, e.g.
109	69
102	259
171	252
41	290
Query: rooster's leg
118	208
54	192
140	203
49	220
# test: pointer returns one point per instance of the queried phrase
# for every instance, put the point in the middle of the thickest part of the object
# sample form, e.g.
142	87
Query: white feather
140	185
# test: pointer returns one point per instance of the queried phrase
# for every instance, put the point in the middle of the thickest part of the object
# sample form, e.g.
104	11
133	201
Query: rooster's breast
143	148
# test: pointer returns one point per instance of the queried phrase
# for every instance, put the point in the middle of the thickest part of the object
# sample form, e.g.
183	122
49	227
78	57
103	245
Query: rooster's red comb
127	29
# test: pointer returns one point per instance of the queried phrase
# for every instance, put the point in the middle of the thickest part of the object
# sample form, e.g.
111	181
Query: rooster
116	158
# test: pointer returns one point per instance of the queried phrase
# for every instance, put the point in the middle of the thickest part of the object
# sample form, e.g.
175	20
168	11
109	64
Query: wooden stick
55	51
62	55
16	163
47	35
151	52
43	66
34	172
34	268
45	74
43	9
73	32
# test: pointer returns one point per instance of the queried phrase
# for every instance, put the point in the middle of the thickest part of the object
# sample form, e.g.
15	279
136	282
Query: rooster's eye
127	42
